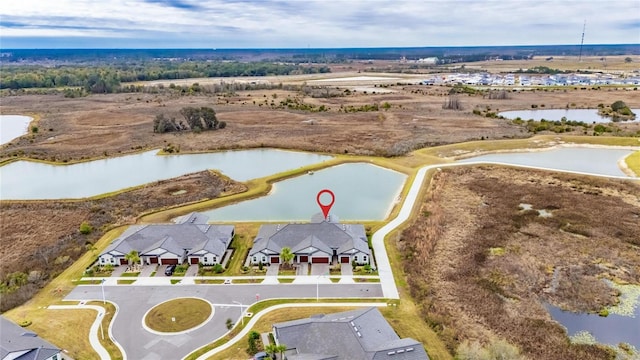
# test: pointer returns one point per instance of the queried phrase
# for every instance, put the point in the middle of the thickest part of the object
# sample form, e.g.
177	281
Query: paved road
134	301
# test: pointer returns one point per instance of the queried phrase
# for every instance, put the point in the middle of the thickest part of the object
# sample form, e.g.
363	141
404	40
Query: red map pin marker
325	208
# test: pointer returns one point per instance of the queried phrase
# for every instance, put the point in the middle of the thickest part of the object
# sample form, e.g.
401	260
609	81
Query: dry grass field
480	266
73	129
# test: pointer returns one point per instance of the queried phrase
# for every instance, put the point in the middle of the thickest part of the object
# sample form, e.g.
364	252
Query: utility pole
584	27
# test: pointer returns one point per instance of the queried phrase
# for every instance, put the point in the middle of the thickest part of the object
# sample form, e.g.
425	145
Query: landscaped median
633	162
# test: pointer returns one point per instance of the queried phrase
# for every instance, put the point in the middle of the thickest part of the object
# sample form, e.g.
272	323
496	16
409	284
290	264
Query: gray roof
191	233
15	340
324	235
358	334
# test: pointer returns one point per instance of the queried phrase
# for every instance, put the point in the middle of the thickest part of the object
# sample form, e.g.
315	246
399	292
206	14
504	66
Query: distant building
320	241
189	239
428	61
353	335
16	343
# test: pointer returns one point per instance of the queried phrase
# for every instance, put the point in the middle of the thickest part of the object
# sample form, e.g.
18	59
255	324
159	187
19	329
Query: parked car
170	269
227	281
261	356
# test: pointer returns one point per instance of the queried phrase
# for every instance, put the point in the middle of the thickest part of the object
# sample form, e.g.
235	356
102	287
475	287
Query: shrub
217	268
85	228
222	125
34	129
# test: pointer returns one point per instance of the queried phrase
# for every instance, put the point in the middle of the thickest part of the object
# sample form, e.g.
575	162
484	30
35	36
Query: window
364	258
101	260
206	259
255	259
214	259
264	259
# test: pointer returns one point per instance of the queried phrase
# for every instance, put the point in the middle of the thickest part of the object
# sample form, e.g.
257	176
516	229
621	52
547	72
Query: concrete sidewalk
248	327
95	329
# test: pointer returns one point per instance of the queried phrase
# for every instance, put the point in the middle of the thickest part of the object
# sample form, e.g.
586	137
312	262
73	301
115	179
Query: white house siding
108	259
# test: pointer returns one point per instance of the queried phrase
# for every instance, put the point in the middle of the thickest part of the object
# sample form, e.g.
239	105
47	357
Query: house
362	334
320	241
190	239
17	343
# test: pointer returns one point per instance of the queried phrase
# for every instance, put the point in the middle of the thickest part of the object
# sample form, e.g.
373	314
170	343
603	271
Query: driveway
272	270
147	270
346	269
134	301
192	270
319	269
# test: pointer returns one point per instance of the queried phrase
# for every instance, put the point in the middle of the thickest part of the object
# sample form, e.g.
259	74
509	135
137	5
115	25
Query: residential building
362	334
190	239
17	343
320	241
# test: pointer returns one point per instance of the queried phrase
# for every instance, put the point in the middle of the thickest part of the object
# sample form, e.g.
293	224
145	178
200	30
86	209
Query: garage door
320	260
275	259
195	260
344	259
123	262
153	260
304	258
169	261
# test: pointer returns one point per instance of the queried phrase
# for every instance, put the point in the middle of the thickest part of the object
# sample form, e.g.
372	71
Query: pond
13	126
600	161
22	180
362	192
621	325
588	116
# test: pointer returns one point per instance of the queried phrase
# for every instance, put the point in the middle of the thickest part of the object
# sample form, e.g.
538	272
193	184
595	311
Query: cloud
318	23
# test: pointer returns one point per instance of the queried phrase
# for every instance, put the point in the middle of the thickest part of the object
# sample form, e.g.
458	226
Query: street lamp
241	311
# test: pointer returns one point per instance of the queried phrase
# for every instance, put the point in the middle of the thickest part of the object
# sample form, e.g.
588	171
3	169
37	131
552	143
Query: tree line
107	78
195	119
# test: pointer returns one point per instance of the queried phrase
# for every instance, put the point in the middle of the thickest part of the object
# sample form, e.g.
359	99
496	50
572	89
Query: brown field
480	267
112	124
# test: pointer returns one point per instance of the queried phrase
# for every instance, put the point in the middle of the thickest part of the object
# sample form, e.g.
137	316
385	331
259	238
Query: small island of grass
618	111
178	315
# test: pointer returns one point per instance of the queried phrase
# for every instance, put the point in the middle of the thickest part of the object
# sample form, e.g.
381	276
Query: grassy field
633	162
178	315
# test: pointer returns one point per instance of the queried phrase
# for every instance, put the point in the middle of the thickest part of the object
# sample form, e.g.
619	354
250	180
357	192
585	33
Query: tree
628	59
281	349
271	349
209	117
253	337
229	324
286	255
132	257
192	116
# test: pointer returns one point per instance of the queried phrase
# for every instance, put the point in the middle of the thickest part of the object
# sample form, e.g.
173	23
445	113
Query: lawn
178	315
239	350
633	162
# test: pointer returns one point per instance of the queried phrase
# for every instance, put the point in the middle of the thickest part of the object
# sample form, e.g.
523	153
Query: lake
601	161
23	180
362	192
13	126
588	116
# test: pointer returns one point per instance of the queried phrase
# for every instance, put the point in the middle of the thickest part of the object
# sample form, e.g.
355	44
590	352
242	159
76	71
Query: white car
227	281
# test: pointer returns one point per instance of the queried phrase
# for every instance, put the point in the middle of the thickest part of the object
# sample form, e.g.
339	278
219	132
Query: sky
314	23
